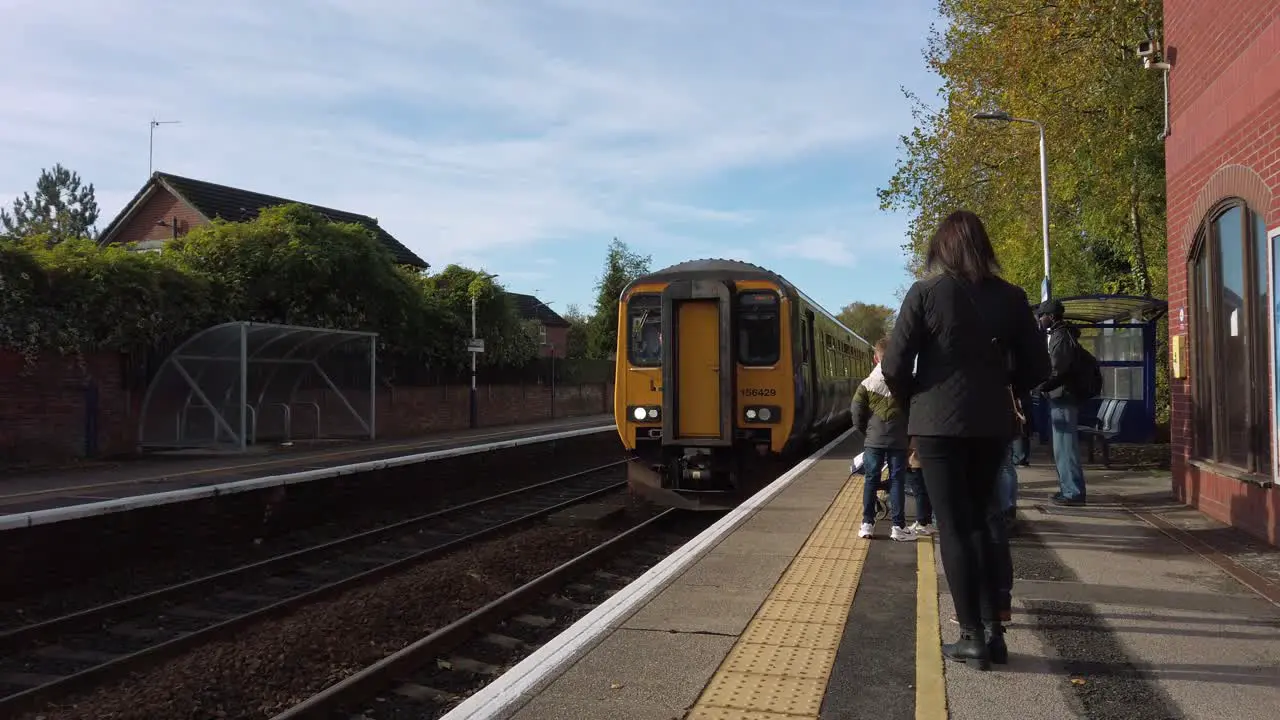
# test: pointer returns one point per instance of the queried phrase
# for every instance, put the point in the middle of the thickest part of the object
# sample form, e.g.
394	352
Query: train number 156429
759	392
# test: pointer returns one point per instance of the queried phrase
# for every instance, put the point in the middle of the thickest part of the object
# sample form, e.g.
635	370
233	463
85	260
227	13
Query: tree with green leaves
579	332
1071	66
291	265
621	266
62	208
509	340
870	321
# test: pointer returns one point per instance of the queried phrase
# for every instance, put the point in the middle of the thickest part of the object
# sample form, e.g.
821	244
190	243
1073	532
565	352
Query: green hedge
289	265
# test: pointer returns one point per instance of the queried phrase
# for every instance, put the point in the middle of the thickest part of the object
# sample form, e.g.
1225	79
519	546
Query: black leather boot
996	647
970	648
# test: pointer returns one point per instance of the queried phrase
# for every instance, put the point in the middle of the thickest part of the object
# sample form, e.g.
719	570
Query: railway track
428	677
48	659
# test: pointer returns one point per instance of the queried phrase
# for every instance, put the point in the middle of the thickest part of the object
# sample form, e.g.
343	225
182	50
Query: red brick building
553	329
1222	159
169	206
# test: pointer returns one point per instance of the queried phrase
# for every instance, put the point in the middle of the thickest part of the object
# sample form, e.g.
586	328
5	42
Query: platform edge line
514	688
931	684
170	497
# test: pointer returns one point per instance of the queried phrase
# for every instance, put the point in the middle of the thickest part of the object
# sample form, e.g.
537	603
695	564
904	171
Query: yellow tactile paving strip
931	686
779	667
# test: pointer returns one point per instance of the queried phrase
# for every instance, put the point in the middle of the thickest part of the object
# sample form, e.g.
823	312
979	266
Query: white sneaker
902	534
867	530
919	529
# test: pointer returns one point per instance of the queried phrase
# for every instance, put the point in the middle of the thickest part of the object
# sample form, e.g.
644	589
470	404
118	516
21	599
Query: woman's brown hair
961	247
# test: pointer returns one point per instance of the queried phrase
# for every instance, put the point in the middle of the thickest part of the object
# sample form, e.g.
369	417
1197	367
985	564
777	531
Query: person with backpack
1074	379
882	420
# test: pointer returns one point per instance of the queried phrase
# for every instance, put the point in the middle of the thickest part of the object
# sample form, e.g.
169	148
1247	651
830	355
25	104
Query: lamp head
999	115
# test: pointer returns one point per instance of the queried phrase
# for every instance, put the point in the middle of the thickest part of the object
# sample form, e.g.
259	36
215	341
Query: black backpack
1086	374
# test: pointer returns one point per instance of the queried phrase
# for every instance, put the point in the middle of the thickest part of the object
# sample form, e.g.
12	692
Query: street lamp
1002	116
475	346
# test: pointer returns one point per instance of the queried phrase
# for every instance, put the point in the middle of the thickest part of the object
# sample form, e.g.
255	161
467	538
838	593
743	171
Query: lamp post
1002	116
475	347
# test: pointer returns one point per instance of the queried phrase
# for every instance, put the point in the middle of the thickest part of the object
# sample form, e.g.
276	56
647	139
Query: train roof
716	268
732	270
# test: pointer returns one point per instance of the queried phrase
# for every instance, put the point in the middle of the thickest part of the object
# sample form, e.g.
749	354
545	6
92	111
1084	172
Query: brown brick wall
1225	142
161	207
557	338
43	409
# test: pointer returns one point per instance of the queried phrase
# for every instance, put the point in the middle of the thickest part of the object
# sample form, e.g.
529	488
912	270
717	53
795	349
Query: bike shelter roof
1099	309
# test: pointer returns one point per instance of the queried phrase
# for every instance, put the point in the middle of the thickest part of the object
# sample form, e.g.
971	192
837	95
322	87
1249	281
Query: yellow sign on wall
1179	360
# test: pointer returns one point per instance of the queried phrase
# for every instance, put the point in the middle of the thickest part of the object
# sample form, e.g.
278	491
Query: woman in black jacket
970	336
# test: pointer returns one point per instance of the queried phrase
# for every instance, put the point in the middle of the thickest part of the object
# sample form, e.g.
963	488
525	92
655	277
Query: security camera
1146	48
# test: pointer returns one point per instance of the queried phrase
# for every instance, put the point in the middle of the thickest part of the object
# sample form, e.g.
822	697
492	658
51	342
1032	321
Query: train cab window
644	323
759	330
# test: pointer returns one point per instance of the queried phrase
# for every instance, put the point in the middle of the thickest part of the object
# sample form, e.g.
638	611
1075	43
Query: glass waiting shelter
1120	331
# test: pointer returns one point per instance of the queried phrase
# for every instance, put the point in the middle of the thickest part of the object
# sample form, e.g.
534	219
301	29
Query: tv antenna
151	142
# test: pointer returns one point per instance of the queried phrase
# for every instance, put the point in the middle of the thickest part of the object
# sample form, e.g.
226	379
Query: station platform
100	481
1134	607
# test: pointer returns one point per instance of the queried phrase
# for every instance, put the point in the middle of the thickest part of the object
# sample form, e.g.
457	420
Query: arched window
1231	334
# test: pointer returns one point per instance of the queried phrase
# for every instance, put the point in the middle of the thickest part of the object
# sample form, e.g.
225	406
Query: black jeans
960	475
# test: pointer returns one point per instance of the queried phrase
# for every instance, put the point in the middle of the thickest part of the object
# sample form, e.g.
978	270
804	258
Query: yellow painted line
779	667
931	685
294	459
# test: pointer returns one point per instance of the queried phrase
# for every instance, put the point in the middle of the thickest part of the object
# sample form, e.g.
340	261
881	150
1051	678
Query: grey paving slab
633	675
685	608
1028	688
736	570
770	520
1208	665
756	542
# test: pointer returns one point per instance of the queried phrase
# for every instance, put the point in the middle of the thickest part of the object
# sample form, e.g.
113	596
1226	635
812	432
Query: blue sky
517	136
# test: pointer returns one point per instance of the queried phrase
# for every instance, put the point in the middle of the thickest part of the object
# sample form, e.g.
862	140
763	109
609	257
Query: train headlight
763	414
646	413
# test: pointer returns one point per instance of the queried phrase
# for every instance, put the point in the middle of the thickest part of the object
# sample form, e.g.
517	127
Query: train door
811	375
698	363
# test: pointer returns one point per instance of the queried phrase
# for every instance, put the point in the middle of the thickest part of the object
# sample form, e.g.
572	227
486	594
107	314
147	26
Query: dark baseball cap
1051	307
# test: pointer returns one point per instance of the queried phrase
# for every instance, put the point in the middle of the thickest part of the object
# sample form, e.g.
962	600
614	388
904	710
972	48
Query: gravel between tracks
282	661
154	573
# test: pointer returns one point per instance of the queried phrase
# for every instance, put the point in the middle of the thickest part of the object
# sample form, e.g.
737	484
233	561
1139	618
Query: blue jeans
1064	419
924	508
1021	450
1007	482
873	462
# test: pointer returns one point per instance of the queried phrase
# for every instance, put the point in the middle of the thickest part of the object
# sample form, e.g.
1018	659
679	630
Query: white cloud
467	128
821	248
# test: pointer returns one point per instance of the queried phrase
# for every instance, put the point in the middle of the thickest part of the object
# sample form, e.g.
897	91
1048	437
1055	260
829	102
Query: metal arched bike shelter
230	385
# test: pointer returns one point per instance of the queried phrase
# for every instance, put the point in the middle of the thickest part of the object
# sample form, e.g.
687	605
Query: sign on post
475	345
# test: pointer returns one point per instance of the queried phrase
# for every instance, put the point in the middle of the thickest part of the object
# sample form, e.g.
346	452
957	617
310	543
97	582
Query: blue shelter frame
1120	331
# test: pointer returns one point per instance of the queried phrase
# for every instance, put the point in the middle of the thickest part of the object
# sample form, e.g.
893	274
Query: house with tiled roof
553	330
169	206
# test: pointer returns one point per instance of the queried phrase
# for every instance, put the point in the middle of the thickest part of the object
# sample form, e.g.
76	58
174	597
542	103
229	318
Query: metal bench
1104	427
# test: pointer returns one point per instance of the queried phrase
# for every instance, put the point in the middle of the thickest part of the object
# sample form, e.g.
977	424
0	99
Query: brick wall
557	339
160	207
47	412
1225	142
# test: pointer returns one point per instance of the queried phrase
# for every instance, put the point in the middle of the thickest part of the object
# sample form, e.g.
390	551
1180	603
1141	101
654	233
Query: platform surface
792	616
108	481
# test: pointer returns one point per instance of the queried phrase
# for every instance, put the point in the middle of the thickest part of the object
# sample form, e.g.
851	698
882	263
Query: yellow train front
725	372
